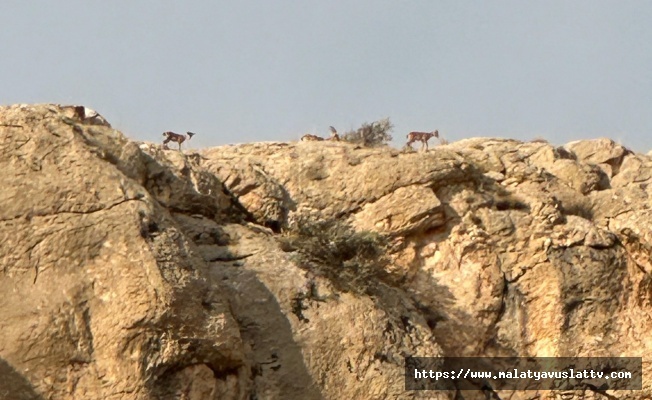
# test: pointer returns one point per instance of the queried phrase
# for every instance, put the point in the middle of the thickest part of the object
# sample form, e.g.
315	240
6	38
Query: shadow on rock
14	386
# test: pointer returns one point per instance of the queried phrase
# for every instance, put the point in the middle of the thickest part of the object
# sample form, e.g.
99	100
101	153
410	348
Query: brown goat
175	137
85	115
334	136
311	138
314	138
423	137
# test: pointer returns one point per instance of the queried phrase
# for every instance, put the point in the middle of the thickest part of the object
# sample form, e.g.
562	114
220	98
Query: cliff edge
308	270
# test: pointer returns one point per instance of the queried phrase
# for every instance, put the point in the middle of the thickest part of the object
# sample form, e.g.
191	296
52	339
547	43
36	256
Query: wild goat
423	137
314	138
175	137
311	138
85	115
334	136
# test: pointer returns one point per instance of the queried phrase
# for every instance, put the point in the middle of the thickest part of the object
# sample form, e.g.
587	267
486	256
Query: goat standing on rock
423	137
175	137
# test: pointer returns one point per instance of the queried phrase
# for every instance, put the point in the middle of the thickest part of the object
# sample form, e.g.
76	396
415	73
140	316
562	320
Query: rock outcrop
130	272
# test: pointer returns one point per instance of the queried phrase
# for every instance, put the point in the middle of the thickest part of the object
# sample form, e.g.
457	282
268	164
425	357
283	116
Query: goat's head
435	134
190	135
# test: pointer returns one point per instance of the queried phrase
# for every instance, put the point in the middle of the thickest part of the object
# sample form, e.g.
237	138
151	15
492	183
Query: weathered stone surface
404	211
635	169
103	296
281	182
130	272
602	152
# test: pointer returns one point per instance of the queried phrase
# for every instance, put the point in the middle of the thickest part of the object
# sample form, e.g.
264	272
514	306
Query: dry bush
371	135
352	261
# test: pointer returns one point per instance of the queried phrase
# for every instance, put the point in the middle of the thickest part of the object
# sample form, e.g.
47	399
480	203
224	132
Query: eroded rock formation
129	272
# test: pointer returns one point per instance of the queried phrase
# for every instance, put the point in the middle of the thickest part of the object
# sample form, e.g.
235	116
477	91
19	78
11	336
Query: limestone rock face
281	182
131	272
103	296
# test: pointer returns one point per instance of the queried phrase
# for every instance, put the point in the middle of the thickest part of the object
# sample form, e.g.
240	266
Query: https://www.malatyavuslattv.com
476	373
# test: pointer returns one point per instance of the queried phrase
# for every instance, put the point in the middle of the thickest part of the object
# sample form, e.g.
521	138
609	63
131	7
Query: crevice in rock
231	258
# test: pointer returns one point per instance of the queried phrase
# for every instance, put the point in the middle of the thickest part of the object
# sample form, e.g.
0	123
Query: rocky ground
130	272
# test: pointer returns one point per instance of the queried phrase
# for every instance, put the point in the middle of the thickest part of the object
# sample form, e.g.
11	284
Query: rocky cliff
308	270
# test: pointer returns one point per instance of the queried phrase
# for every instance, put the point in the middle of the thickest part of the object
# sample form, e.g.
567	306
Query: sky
273	70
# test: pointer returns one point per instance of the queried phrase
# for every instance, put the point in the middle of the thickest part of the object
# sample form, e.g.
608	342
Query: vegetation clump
353	261
373	134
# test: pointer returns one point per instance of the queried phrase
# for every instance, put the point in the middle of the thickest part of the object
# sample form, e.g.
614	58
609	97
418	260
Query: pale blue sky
272	70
